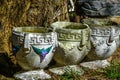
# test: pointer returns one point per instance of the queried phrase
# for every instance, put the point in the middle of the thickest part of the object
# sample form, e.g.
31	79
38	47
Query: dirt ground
99	75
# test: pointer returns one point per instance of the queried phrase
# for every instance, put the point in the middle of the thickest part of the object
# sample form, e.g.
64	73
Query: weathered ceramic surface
104	39
73	42
98	8
33	46
32	75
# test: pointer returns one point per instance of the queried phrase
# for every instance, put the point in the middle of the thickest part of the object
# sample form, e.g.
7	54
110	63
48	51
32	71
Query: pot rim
60	26
31	29
99	22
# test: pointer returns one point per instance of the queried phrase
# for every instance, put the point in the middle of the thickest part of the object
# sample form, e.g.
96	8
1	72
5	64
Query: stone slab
95	64
32	75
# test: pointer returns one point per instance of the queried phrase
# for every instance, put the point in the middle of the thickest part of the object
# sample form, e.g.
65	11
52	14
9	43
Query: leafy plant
113	71
70	74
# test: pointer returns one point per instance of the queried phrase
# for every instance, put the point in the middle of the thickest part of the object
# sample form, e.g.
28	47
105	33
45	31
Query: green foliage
70	74
66	77
113	71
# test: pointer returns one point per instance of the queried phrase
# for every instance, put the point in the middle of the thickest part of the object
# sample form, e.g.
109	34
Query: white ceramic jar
104	38
33	46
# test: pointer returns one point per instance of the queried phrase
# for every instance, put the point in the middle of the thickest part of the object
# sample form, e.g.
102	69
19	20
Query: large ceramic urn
98	8
73	42
33	46
104	38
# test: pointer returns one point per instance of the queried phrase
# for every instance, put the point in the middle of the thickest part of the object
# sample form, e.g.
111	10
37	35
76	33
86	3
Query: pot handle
111	37
84	41
26	43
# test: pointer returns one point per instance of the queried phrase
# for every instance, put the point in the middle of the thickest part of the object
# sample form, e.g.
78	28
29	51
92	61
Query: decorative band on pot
73	42
33	46
104	38
98	8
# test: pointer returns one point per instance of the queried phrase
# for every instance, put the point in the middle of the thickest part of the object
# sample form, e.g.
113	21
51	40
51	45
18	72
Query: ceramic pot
104	38
33	46
116	19
73	42
98	8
